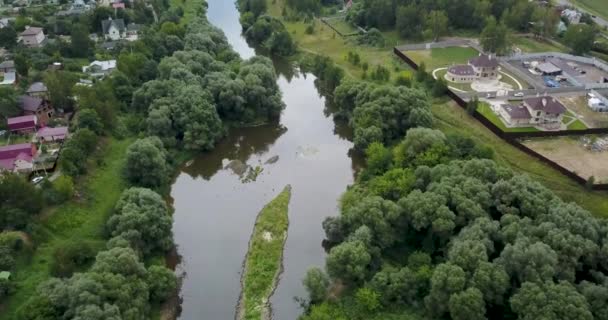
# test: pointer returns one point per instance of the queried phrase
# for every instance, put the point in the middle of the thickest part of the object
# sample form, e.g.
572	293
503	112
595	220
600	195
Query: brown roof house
38	107
483	67
47	134
543	111
33	37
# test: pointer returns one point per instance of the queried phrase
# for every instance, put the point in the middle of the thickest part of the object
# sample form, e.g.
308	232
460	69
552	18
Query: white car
37	180
519	94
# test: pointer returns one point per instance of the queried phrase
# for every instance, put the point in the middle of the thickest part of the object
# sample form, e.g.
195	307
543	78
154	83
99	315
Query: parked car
37	180
519	94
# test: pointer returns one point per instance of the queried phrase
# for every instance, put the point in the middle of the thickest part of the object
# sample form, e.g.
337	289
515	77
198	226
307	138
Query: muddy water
215	207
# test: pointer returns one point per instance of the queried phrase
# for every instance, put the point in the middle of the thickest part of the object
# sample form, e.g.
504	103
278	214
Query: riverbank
449	118
74	221
264	261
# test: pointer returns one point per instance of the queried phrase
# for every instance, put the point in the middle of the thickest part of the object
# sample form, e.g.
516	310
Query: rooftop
31	31
7	64
462	70
117	23
21	119
52	132
548	67
546	104
516	112
30	103
37	87
484	61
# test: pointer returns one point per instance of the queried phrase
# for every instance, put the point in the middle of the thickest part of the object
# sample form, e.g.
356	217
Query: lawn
595	7
486	111
265	256
450	118
527	44
442	57
341	25
72	221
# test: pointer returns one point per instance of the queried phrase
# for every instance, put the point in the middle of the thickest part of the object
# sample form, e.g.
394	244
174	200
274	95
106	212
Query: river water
215	208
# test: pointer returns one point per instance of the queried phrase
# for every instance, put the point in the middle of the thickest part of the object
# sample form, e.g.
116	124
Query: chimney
544	102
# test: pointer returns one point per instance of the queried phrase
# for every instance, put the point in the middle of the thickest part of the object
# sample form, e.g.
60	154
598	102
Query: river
215	209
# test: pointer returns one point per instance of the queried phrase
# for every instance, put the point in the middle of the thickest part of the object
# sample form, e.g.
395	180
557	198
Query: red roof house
17	157
23	124
47	134
37	106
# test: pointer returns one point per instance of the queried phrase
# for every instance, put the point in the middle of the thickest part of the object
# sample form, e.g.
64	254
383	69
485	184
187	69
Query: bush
72	256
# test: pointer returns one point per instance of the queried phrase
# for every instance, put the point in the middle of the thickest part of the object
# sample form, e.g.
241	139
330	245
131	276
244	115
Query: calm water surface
215	210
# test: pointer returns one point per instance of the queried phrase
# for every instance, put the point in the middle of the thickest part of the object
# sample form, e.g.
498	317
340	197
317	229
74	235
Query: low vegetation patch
264	259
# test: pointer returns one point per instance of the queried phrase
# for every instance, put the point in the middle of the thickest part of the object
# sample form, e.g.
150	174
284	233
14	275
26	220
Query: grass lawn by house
72	221
596	7
528	44
341	25
486	111
442	57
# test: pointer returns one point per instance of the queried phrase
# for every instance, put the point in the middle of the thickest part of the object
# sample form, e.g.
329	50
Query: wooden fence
513	137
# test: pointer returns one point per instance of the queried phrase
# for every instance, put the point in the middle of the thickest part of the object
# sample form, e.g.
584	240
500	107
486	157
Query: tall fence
513	137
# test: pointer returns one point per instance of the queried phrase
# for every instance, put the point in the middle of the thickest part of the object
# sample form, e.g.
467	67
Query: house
21	3
37	89
99	69
113	29
132	31
5	275
38	107
7	66
573	16
546	112
17	157
9	79
33	37
483	67
77	7
47	134
23	124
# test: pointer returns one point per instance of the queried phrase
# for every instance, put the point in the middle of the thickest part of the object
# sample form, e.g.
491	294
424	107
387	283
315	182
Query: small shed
5	275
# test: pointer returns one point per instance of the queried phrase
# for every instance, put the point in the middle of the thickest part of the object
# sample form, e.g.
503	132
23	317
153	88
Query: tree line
434	225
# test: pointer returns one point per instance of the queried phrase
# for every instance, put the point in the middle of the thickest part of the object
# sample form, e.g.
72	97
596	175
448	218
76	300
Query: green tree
60	85
349	261
316	283
549	300
467	305
141	217
8	37
8	103
436	24
89	119
146	163
80	46
580	38
162	283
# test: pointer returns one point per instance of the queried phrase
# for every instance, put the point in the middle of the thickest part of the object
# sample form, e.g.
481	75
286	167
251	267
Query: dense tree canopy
147	163
466	239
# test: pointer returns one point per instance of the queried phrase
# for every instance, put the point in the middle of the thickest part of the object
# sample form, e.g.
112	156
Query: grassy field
72	221
527	44
265	257
487	112
341	25
595	7
442	57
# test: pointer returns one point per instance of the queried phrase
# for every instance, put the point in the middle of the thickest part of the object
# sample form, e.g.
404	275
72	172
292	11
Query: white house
113	29
33	37
3	23
100	69
597	102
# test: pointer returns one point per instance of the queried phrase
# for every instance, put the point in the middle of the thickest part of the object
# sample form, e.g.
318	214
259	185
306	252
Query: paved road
599	20
554	92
